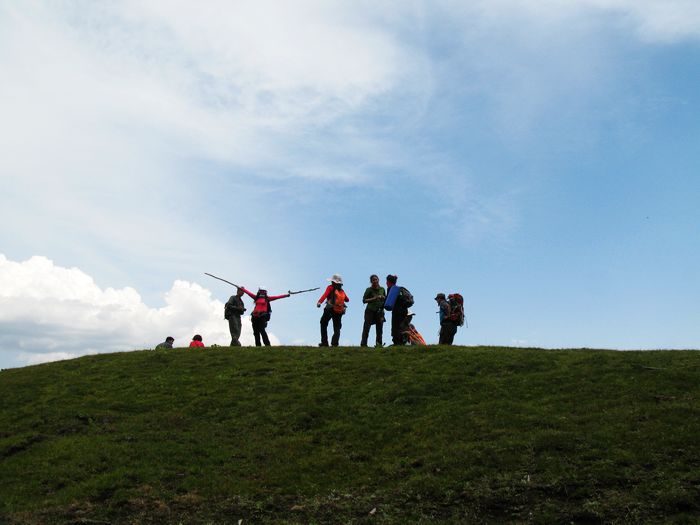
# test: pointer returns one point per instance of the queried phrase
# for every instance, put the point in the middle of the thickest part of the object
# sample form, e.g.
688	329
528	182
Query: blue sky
540	157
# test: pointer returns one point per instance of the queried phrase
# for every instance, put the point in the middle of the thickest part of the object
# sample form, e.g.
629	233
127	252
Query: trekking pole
220	279
303	291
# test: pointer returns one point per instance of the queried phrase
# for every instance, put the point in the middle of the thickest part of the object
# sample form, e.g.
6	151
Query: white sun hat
335	279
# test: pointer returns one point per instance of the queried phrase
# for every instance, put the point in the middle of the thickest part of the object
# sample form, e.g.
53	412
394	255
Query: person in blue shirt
398	309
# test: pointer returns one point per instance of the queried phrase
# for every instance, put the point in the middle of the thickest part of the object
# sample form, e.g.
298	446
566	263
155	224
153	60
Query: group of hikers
395	299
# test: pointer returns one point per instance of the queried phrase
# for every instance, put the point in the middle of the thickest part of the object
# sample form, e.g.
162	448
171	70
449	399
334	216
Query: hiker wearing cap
398	301
167	344
335	298
374	312
233	311
448	328
261	313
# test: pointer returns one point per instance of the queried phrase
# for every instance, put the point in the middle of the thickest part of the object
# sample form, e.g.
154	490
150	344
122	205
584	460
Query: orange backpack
338	301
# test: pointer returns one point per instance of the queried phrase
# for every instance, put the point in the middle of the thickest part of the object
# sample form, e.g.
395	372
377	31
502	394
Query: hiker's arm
325	294
275	297
251	295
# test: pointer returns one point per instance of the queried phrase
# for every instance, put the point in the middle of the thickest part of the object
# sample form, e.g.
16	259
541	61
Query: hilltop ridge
350	435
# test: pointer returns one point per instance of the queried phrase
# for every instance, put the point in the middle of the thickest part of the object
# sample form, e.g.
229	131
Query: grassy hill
349	435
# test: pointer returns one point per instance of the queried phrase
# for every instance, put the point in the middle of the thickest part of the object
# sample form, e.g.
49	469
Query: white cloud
114	115
216	80
49	313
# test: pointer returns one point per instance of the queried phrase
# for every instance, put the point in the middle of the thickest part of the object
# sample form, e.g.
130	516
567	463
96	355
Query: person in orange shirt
197	342
335	298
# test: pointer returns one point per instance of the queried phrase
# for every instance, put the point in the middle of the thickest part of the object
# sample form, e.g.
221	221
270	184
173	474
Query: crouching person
167	344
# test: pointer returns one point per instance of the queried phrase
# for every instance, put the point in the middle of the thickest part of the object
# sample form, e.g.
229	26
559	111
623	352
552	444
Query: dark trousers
398	315
234	326
329	314
447	333
375	318
259	325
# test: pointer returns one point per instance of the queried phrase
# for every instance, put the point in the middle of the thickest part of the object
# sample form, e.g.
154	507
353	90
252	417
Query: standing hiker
261	313
167	344
448	328
374	312
451	316
398	301
233	311
335	298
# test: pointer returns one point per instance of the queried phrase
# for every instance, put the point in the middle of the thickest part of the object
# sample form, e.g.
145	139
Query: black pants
375	318
447	333
259	325
329	314
398	315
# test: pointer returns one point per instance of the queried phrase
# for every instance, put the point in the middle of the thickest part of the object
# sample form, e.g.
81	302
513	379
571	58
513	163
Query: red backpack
456	302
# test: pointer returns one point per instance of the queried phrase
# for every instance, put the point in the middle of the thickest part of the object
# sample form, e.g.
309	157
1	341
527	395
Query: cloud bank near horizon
49	313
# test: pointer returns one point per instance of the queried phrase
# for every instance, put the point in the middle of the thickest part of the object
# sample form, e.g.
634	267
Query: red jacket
196	344
261	302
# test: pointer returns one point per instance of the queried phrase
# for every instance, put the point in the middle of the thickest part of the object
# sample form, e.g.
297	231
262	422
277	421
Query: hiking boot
322	344
379	345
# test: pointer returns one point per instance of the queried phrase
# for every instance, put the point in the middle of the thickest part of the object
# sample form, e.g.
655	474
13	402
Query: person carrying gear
261	313
398	301
448	329
374	312
233	311
167	344
451	316
335	298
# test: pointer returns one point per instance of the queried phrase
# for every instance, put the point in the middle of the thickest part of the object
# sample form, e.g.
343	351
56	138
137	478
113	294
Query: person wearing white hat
335	298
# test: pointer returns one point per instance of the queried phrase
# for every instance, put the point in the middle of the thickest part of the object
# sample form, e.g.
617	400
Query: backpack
405	297
456	302
336	298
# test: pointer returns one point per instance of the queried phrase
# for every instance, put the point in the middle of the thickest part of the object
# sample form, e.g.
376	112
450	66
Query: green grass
349	435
